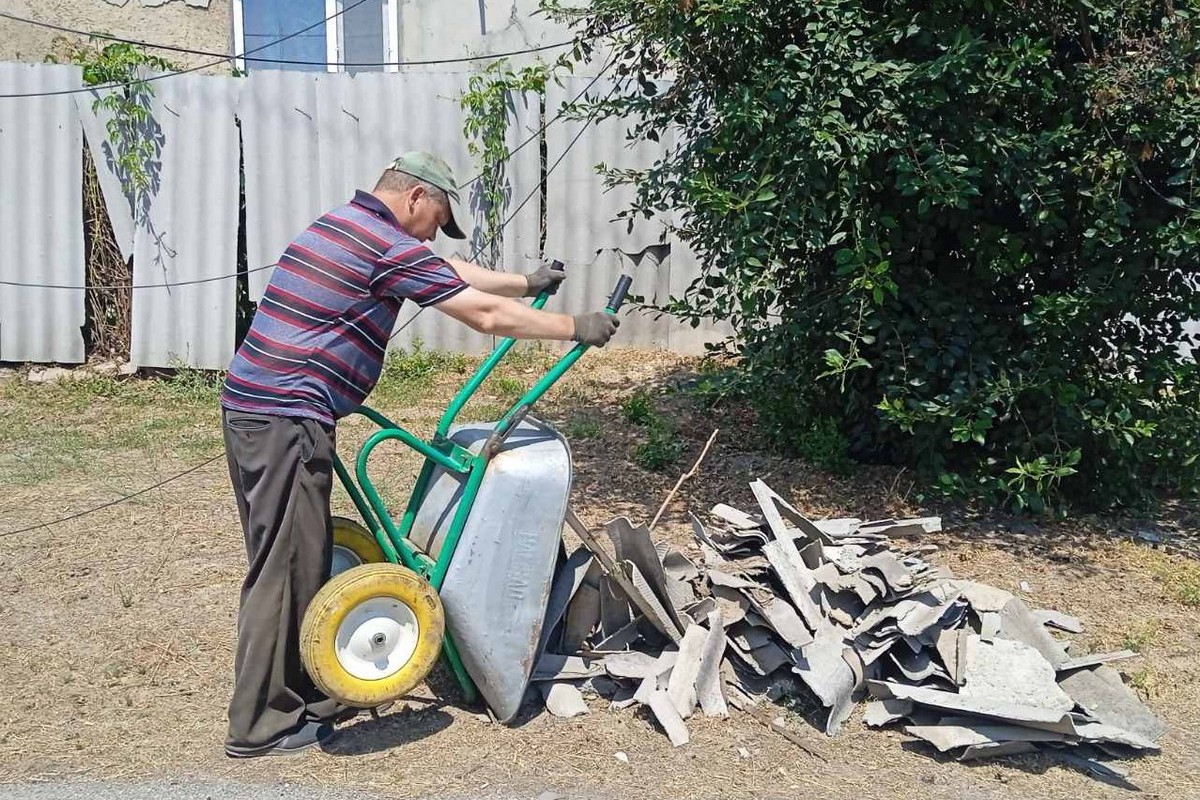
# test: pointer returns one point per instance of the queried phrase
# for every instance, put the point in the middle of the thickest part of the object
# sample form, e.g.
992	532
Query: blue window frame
267	21
362	34
363	37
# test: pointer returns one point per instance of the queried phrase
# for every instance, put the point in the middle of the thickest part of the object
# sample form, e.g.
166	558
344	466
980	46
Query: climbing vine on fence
130	128
132	149
487	103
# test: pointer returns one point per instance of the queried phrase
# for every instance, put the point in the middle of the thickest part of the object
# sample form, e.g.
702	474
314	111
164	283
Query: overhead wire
227	276
500	229
288	61
112	503
218	62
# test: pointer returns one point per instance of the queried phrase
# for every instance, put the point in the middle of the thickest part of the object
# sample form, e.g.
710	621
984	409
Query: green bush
967	232
823	443
662	447
638	408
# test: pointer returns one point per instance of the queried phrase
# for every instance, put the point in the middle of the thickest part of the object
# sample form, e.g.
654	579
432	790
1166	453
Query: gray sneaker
308	735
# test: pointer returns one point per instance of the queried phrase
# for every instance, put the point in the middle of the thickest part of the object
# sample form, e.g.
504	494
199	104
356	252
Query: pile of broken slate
771	600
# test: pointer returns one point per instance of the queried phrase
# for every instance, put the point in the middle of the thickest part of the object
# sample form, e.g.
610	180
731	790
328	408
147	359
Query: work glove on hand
595	328
545	279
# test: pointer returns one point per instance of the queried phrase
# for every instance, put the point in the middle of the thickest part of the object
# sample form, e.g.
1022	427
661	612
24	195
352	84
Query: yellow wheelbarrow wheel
353	545
372	634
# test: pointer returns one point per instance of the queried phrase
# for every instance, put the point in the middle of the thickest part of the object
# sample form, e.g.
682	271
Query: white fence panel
41	215
190	231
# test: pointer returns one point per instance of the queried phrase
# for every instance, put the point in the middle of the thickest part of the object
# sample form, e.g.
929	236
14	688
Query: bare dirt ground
116	646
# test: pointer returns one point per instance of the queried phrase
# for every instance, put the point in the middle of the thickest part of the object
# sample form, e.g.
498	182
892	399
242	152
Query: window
365	33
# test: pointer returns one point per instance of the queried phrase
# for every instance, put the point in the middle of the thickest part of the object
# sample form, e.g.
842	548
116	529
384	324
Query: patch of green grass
93	385
1179	577
483	411
1145	680
638	408
201	444
506	385
529	355
1142	637
407	375
132	437
73	426
47	452
419	364
15	428
66	397
201	387
1181	581
662	446
581	427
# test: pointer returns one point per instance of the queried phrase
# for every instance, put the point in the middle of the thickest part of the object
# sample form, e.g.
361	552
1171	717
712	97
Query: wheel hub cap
343	559
377	638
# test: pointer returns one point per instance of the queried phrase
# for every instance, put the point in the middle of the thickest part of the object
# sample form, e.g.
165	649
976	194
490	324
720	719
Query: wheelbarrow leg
470	694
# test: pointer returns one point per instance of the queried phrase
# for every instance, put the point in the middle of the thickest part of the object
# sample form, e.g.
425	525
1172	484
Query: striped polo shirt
316	345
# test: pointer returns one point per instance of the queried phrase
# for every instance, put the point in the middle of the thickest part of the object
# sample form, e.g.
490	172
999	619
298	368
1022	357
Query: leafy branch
487	103
134	147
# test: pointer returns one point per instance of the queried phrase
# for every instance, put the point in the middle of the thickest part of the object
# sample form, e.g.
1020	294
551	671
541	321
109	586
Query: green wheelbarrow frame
441	451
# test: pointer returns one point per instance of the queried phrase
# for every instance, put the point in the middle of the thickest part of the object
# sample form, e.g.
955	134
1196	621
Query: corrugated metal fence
41	215
307	141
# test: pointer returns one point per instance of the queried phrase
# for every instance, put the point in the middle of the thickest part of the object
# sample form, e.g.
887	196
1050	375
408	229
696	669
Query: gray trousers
282	474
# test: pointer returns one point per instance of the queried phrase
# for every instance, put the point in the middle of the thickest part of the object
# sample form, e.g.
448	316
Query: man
313	353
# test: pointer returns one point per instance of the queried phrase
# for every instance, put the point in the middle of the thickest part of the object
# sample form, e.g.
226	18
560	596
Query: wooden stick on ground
684	477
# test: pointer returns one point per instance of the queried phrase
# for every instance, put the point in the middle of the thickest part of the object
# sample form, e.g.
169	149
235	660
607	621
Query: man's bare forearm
499	316
504	284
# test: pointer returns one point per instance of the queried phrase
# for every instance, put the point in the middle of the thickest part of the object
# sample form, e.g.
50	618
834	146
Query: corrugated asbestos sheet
581	230
308	141
278	110
681	337
41	215
521	237
116	200
585	211
190	232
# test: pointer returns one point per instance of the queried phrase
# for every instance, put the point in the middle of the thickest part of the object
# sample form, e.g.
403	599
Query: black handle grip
556	264
618	296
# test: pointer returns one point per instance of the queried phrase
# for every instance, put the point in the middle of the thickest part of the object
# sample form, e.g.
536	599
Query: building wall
429	29
432	29
197	24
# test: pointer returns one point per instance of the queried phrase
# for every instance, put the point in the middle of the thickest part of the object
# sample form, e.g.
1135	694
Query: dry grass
117	644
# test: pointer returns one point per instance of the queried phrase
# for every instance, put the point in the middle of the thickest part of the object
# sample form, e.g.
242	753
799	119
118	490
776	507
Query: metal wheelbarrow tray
499	580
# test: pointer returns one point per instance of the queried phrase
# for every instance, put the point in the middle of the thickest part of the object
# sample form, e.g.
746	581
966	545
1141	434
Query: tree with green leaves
120	69
962	236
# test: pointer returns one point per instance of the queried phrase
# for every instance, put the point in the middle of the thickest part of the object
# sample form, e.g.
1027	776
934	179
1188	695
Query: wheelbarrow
466	571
